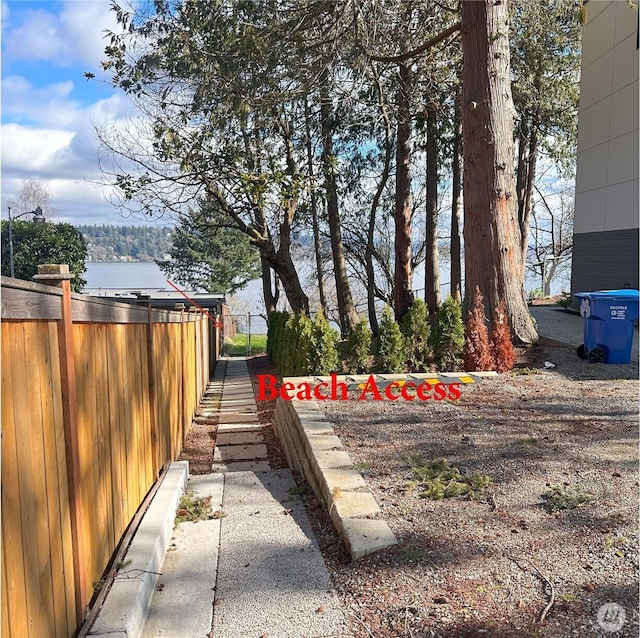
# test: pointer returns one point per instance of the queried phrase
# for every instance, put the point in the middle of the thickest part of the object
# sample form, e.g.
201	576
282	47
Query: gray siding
605	260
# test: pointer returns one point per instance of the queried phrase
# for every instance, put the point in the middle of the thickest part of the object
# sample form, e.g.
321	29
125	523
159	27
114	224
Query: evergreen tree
210	254
447	336
358	348
323	353
477	347
415	329
390	345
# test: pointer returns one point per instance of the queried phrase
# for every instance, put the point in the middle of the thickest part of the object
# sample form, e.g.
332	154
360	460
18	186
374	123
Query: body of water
146	275
127	274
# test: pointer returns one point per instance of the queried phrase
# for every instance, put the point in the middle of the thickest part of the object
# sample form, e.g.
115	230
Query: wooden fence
96	398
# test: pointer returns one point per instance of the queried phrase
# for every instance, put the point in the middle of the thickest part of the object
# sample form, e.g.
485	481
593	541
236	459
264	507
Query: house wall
605	252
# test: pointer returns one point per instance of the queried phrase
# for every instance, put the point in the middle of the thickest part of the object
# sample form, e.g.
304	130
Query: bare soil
489	566
492	565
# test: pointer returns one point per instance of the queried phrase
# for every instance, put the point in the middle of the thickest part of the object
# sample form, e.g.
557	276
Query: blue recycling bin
609	322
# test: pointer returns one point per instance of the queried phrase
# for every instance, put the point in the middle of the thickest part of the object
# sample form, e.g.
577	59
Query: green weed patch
438	480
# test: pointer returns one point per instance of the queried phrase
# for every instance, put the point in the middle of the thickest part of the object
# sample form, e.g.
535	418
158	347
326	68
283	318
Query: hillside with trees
108	242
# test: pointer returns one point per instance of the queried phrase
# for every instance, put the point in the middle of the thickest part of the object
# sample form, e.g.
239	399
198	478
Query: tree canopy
209	253
341	121
39	244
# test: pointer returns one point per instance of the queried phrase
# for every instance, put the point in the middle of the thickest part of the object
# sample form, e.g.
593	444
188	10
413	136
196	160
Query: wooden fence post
59	276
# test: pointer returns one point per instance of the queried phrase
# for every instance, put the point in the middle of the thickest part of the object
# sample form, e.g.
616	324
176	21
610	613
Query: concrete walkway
256	569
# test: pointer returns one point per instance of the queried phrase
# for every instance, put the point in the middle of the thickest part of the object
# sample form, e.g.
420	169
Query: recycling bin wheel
582	351
596	355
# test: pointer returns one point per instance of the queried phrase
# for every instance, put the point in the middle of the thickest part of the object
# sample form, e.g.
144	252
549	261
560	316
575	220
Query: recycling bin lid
623	293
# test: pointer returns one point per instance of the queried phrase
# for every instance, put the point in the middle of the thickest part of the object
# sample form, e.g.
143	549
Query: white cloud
61	152
75	35
48	127
48	106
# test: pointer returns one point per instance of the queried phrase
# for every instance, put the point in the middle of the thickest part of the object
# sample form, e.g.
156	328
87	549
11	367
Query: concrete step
226	453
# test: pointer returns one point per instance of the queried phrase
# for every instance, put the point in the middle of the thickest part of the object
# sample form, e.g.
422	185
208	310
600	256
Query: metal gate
244	335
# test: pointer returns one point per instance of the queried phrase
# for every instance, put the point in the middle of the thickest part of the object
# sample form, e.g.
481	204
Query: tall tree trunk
346	309
456	201
493	255
314	210
403	296
282	263
432	256
370	272
525	180
388	155
270	296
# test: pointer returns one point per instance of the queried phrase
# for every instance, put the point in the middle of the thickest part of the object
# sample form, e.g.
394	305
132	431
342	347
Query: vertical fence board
24	415
85	393
145	410
116	431
103	445
39	420
65	585
15	615
51	549
127	416
138	421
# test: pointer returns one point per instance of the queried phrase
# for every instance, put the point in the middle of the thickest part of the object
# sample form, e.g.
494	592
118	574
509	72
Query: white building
605	248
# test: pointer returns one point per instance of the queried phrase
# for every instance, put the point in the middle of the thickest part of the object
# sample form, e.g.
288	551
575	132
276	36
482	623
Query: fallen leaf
321	609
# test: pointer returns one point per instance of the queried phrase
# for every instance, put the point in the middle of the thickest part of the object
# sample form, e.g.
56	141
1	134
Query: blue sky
49	109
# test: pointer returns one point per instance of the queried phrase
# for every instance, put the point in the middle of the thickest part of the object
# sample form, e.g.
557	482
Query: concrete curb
126	607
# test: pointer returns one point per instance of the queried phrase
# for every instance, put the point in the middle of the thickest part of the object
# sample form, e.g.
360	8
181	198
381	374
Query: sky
49	110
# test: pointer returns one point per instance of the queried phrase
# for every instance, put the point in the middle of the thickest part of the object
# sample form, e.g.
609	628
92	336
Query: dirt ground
497	564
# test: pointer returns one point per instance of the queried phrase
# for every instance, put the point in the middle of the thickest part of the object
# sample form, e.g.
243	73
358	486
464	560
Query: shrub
503	353
358	348
323	352
296	345
477	348
447	335
535	294
275	331
415	328
389	344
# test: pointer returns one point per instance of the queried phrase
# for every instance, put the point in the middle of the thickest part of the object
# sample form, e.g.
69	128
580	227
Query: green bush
389	345
415	329
447	336
296	345
275	334
358	348
323	352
